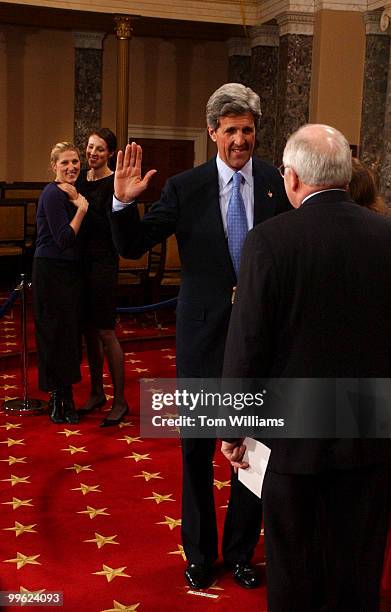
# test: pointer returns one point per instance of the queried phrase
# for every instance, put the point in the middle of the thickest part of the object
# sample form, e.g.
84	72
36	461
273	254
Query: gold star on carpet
172	523
8	426
109	397
24	591
133	361
17	503
10	343
80	468
111	573
153	390
123	607
129	439
180	551
169	357
160	498
11	442
139	370
220	484
19	528
93	512
5	376
101	540
10	336
137	457
128	331
148	475
74	449
165	349
126	424
11	460
14	480
21	560
87	489
129	353
69	432
6	387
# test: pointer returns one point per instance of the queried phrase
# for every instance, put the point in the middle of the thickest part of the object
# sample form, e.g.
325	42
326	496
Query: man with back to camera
314	300
210	209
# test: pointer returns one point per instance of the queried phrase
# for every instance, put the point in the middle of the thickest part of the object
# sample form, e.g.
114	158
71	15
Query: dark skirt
100	275
57	315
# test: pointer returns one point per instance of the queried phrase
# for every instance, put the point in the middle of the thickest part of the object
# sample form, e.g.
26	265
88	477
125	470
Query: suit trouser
325	536
199	532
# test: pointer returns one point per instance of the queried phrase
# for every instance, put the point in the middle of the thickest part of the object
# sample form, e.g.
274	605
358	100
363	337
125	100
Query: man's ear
295	181
212	134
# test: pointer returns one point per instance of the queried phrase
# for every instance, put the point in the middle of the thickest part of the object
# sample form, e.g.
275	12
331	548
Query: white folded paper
257	456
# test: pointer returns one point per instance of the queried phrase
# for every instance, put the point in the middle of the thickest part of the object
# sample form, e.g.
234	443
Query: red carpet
94	513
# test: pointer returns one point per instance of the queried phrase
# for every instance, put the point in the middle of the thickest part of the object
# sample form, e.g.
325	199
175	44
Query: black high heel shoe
97	406
107	422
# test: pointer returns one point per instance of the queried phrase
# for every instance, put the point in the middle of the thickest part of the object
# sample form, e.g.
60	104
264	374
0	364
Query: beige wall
170	82
36	94
337	71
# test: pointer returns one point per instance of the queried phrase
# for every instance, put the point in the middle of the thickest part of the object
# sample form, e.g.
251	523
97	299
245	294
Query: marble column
377	51
88	84
239	60
294	76
264	42
123	31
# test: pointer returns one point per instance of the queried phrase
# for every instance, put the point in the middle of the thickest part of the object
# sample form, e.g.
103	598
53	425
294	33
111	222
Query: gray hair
232	99
320	155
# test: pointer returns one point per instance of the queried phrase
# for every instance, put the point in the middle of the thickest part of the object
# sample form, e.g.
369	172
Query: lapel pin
269	193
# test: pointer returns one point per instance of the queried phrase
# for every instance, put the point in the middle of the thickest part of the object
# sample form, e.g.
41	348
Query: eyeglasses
282	170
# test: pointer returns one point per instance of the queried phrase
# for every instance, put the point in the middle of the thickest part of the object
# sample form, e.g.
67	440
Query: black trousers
325	537
199	532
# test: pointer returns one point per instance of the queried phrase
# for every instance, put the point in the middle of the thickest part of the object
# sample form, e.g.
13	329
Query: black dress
99	259
56	285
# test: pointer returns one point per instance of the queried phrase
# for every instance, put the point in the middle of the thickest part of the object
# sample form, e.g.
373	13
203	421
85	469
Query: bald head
320	156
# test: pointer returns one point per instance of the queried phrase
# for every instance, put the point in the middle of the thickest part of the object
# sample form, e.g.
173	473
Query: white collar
226	173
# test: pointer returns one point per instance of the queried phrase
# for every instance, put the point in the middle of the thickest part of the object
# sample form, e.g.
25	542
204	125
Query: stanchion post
25	405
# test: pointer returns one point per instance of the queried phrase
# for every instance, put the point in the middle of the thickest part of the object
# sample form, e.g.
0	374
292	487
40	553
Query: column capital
385	19
371	21
88	40
292	22
239	45
264	36
123	28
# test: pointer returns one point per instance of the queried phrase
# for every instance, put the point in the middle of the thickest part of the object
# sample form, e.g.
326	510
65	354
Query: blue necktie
237	227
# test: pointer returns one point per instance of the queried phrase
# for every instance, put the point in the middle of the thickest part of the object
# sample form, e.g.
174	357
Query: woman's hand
69	189
81	203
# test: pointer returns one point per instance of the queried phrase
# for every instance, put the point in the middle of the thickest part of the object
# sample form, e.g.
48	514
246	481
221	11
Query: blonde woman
57	284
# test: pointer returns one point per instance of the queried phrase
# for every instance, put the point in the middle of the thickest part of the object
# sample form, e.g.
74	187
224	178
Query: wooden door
168	157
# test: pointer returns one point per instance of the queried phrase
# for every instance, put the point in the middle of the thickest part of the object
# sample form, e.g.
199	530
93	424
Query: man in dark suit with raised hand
209	208
314	300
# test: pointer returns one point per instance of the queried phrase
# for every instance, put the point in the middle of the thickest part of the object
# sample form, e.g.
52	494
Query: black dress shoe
56	411
198	576
107	422
97	406
245	575
70	414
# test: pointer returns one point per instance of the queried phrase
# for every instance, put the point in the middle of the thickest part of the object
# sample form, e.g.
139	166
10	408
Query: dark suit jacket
189	207
314	300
